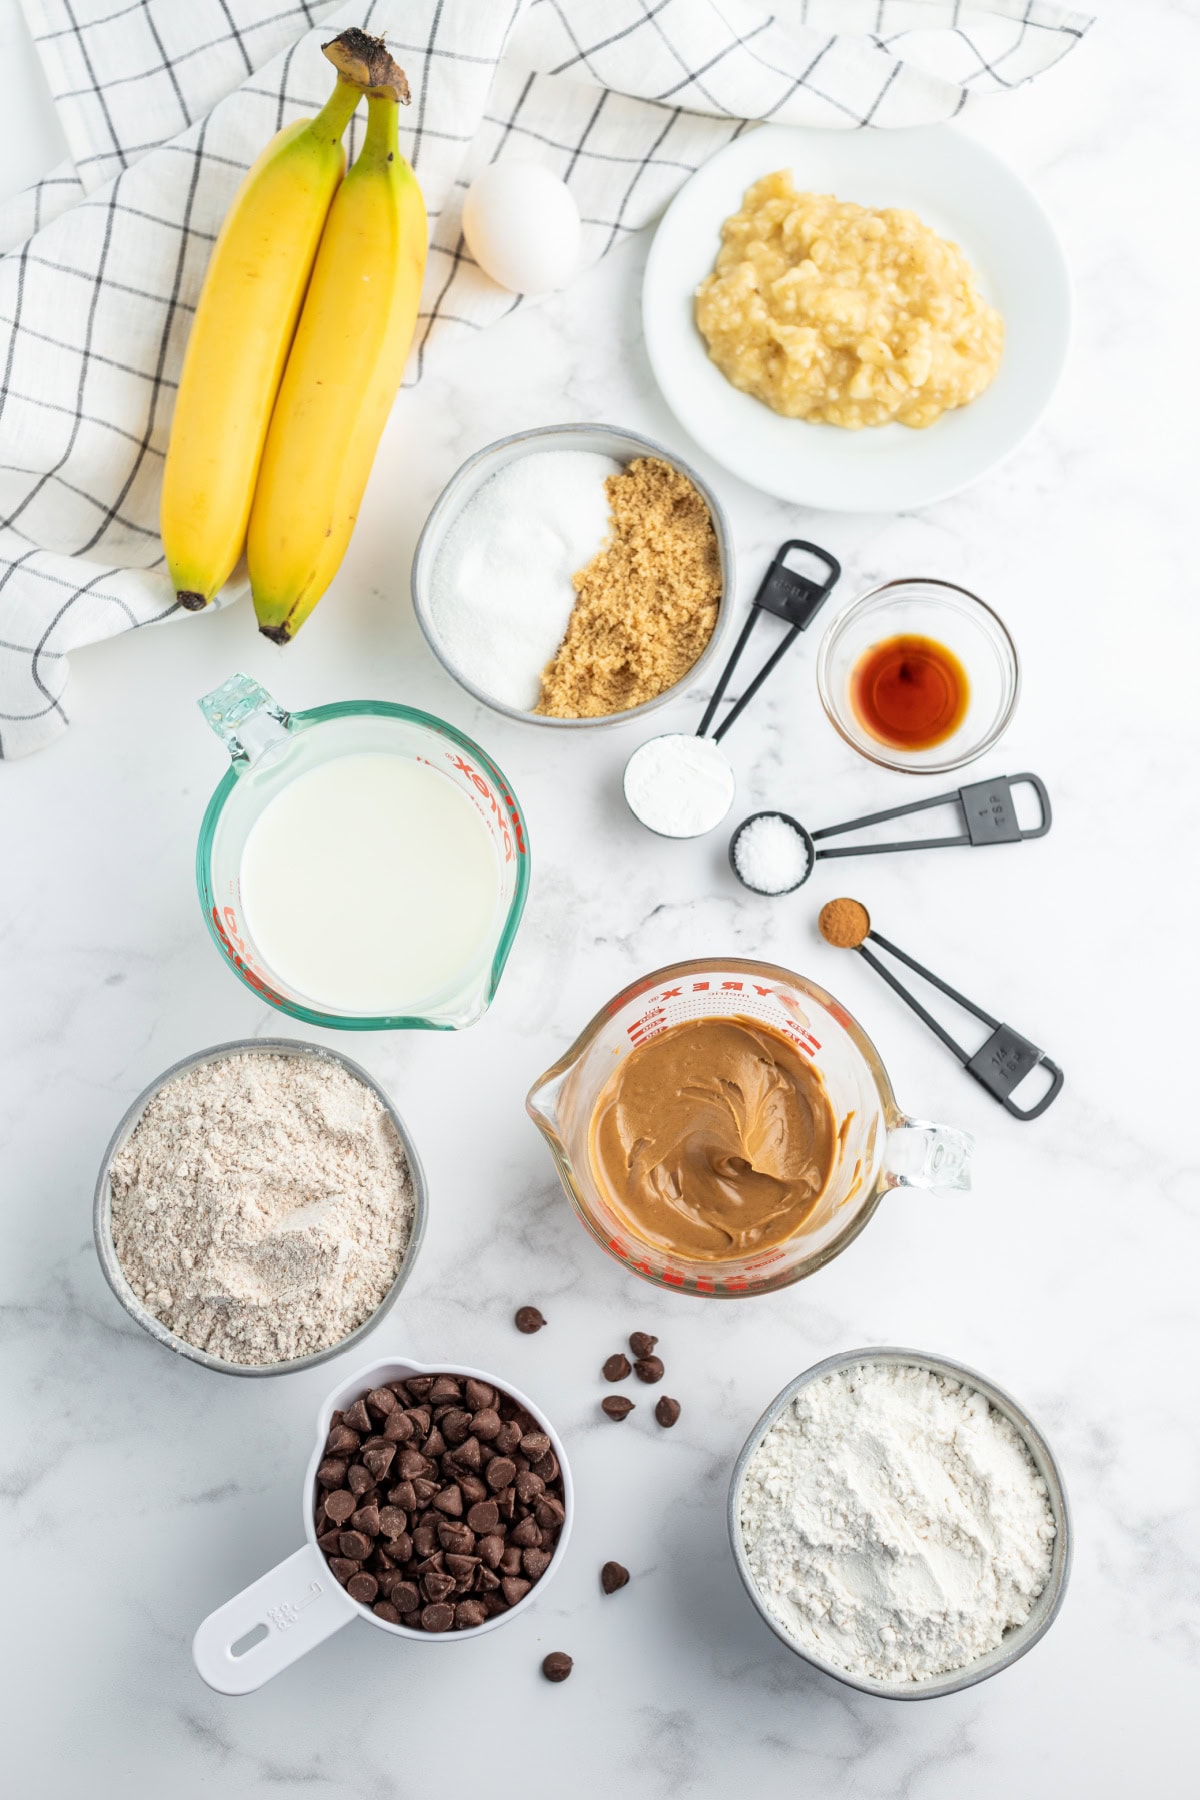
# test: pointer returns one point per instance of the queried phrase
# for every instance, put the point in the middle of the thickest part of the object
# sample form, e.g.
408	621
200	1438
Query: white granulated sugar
262	1206
894	1523
770	854
501	594
679	785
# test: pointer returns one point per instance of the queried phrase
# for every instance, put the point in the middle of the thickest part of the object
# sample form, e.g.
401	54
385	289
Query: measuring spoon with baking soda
1005	1058
681	784
773	853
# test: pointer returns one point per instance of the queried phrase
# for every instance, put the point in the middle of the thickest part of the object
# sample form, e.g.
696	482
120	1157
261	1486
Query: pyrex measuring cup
269	749
878	1148
299	1603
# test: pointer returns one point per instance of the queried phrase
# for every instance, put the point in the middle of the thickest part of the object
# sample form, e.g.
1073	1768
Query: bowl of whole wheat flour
260	1206
900	1523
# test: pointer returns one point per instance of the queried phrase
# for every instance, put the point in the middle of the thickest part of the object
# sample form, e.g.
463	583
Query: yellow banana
344	369
243	328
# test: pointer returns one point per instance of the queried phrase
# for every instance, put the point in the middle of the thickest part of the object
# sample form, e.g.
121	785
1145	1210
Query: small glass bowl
951	616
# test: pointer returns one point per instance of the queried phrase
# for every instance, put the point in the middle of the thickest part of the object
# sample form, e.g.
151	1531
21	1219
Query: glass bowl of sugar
521	568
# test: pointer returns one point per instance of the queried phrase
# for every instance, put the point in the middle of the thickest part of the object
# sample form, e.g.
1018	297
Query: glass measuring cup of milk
362	866
879	1148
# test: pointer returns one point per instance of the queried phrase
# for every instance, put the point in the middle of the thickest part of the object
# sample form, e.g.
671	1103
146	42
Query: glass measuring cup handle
922	1155
296	1605
246	718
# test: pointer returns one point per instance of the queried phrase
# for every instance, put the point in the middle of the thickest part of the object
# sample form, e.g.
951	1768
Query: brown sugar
646	604
844	923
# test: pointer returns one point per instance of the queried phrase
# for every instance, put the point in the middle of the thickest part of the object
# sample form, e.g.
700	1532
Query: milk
370	885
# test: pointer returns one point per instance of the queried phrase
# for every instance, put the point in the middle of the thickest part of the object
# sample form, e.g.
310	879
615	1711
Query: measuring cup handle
298	1602
922	1155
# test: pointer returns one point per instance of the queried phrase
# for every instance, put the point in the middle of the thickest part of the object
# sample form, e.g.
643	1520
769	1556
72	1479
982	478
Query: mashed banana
840	313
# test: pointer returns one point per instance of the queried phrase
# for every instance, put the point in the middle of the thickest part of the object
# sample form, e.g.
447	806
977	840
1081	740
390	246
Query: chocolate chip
381	1401
500	1472
445	1387
527	1534
366	1519
462	1567
472	1488
613	1576
486	1581
557	1666
393	1521
383	1609
359	1479
400	1389
528	1319
410	1464
617	1406
534	1563
534	1444
449	1501
549	1512
358	1418
342	1568
362	1588
438	1617
401	1548
547	1467
510	1562
379	1459
424	1489
434	1445
403	1495
667	1411
405	1597
616	1367
484	1516
332	1472
341	1441
330	1542
436	1585
648	1368
478	1394
456	1425
419	1385
469	1613
397	1427
491	1550
508	1437
421	1420
641	1343
468	1455
339	1506
529	1486
514	1588
486	1424
425	1540
354	1545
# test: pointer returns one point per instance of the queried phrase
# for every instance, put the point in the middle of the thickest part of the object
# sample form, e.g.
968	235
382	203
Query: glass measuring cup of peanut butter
363	865
875	1146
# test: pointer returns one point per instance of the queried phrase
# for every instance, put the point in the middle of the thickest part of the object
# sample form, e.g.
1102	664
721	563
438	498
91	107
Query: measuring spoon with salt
773	853
680	784
1000	1064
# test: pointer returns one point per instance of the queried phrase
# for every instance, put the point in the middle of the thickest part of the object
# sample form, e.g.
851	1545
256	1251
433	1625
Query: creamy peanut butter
714	1139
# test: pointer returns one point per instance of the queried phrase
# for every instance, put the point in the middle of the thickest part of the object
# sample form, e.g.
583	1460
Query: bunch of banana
296	353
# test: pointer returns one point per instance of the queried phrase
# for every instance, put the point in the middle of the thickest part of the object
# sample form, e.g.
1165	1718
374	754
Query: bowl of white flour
260	1206
900	1523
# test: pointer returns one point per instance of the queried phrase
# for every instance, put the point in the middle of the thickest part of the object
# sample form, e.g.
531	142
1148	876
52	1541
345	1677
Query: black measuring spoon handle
988	811
790	596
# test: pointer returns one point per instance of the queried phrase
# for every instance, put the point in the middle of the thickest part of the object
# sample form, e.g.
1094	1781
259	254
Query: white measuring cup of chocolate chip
462	1507
681	784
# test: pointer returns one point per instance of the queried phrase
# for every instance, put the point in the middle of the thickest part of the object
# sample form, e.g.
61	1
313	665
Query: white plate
964	193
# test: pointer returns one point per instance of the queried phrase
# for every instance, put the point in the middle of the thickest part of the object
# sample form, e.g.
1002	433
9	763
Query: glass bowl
952	617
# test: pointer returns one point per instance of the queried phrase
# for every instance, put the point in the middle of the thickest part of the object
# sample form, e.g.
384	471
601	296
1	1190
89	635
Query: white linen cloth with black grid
165	103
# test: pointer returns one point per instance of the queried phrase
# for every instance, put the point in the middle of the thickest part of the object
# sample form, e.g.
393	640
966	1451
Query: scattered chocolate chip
528	1319
617	1406
667	1411
641	1343
648	1368
362	1588
557	1666
613	1576
616	1367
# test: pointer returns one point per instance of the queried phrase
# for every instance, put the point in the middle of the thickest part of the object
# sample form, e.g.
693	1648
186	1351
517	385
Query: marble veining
137	1492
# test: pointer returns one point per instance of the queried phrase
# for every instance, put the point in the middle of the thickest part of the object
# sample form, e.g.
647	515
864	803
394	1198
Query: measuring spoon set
681	785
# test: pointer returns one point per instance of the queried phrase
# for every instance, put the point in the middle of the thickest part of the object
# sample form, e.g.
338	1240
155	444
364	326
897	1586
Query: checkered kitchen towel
165	104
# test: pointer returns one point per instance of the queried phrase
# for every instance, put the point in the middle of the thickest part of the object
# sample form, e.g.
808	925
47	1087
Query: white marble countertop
139	1491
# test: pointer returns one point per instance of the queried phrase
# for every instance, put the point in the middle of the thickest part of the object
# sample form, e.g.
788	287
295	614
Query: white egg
521	224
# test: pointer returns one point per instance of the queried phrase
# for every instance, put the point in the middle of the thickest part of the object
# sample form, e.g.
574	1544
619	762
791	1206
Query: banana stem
382	142
335	115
